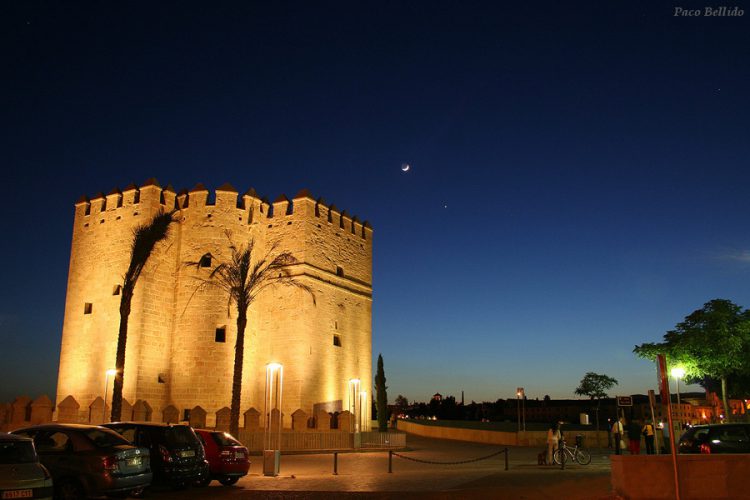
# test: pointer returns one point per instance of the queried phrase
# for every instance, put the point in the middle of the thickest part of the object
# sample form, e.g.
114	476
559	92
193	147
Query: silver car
21	474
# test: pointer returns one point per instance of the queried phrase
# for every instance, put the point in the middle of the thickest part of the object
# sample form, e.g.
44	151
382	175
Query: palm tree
243	279
145	239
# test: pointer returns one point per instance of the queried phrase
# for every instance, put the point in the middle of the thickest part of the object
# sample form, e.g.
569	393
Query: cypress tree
382	396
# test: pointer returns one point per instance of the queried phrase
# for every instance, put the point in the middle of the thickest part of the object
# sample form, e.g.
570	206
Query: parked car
228	459
177	455
21	474
88	460
716	438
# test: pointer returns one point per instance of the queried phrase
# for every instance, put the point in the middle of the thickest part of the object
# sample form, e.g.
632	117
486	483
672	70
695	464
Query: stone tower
180	348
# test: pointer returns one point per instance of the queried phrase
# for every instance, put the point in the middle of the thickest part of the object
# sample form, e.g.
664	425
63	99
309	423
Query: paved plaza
365	475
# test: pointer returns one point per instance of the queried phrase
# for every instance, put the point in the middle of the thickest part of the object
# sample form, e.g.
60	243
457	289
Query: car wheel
229	480
69	489
138	493
202	482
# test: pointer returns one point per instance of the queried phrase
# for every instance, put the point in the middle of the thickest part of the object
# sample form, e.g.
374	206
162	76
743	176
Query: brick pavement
365	475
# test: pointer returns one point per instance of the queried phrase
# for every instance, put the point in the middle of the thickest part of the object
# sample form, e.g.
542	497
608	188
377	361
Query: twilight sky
578	184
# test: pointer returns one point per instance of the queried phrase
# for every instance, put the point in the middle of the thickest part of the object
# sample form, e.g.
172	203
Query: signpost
661	361
624	401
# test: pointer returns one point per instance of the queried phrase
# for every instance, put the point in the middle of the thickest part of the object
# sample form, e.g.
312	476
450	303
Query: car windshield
17	452
180	435
105	438
224	439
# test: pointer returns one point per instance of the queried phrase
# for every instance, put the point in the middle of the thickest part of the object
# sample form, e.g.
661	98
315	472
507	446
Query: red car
228	459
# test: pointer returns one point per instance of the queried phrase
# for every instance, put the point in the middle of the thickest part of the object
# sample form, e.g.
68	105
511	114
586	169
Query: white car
21	474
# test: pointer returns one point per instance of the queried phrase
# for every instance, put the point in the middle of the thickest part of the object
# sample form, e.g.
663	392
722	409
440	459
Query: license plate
187	453
134	461
239	454
18	494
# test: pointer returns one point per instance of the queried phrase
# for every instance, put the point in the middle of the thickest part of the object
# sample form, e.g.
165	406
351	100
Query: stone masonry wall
172	354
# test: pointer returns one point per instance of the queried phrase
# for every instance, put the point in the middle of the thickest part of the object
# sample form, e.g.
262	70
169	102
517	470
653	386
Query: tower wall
172	354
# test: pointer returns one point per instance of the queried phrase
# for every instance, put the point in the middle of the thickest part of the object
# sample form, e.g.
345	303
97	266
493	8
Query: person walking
553	438
617	433
648	436
634	437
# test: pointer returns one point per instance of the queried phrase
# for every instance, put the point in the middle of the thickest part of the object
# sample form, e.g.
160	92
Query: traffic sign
624	401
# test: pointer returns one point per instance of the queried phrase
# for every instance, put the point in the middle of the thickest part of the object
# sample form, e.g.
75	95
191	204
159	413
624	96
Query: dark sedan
87	460
716	438
177	455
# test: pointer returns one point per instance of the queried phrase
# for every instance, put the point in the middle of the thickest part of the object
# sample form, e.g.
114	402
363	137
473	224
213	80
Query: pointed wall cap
169	189
182	192
130	187
98	196
226	188
198	188
151	182
281	197
82	200
251	192
114	191
304	193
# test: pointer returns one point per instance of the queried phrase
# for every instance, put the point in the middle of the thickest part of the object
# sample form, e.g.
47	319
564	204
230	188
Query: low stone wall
701	476
523	438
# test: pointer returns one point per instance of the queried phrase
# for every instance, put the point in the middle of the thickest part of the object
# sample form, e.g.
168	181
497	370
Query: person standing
553	438
648	436
617	432
634	437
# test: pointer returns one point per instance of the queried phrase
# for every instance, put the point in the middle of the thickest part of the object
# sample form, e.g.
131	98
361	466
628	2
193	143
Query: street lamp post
519	396
678	373
354	395
272	411
108	373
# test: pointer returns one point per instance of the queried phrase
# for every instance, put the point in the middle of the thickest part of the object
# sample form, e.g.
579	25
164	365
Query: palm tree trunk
122	340
239	355
727	414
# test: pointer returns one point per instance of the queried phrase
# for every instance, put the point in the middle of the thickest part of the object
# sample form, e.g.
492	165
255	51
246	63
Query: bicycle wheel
557	456
583	457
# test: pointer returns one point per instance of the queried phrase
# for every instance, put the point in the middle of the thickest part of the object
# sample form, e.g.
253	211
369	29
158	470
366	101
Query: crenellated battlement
199	201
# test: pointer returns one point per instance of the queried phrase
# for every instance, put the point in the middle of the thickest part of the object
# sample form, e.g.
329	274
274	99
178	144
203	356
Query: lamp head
111	372
678	372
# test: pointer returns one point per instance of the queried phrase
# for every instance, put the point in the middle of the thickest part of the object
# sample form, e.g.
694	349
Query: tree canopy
595	385
711	342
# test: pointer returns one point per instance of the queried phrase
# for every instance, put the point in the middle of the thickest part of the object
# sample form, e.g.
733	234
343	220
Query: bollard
561	447
390	461
335	463
506	458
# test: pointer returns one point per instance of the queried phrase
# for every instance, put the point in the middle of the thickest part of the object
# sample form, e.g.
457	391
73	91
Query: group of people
633	430
621	429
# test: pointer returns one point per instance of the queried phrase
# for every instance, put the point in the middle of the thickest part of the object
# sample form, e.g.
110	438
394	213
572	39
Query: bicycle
576	454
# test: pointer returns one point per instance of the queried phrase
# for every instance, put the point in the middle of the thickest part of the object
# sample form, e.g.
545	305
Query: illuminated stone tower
180	348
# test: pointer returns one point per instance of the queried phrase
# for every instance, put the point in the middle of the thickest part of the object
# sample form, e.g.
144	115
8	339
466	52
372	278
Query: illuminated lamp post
353	405
362	413
108	373
519	395
272	437
678	373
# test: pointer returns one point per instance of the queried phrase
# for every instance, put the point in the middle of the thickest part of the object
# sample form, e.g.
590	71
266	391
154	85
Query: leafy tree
595	386
382	396
710	342
243	278
145	238
401	403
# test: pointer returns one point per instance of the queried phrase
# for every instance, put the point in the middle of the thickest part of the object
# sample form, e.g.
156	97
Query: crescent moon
405	167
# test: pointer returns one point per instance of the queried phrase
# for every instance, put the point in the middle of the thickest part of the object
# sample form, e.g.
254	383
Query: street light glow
111	372
678	372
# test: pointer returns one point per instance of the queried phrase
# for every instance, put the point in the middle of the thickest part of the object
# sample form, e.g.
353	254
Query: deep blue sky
579	177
